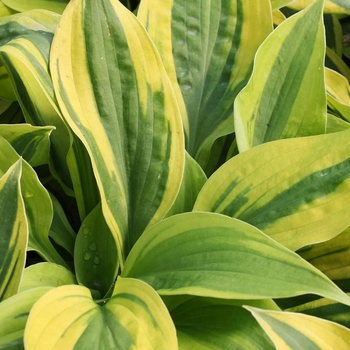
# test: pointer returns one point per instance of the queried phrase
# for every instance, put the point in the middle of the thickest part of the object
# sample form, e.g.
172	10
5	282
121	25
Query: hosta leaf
38	206
51	5
334	33
202	324
60	230
285	96
338	90
95	253
207	254
334	62
123	109
46	275
208	50
278	17
13	232
12	114
292	331
6	88
32	143
335	124
296	191
67	317
339	7
332	258
5	11
14	312
192	182
327	309
276	4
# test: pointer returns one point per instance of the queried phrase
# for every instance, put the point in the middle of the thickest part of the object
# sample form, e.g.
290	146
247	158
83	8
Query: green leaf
67	318
339	7
207	254
296	190
124	110
38	206
338	90
285	96
291	331
46	275
60	230
276	4
51	5
335	124
13	231
208	51
334	33
32	143
332	258
334	62
14	313
95	253
203	324
192	182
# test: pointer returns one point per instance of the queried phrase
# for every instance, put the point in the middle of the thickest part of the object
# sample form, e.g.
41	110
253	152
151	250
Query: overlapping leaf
339	7
290	331
51	5
285	96
208	51
13	232
296	190
207	254
134	318
123	109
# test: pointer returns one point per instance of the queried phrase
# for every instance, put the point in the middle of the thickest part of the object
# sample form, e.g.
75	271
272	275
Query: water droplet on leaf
87	256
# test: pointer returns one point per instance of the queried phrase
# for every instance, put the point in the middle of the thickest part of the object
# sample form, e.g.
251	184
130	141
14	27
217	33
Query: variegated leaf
123	109
296	190
208	51
51	5
339	7
67	317
285	96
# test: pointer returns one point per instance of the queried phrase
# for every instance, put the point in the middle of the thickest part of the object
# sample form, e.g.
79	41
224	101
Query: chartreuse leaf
5	10
334	62
51	5
338	90
339	7
276	4
46	275
334	33
285	96
326	309
123	109
26	58
13	231
14	313
332	258
31	142
208	254
335	124
95	254
292	331
203	324
67	318
296	190
192	182
38	206
208	52
12	114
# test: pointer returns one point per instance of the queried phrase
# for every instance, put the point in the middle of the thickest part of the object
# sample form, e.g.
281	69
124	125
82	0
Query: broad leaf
276	4
38	206
123	109
334	62
14	313
67	318
208	50
335	124
203	324
334	33
51	5
30	142
13	232
285	96
46	275
95	253
290	331
296	190
338	90
339	7
207	254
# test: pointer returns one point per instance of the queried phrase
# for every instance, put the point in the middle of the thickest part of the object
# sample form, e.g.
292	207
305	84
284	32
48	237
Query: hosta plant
176	177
